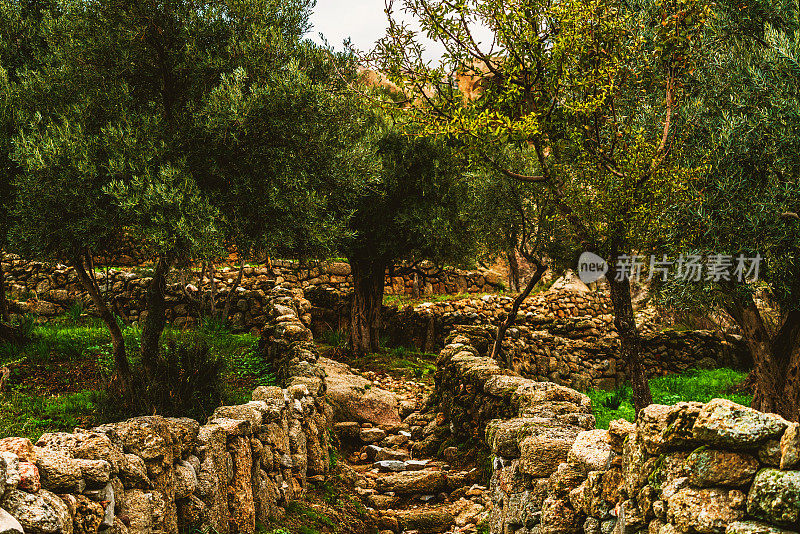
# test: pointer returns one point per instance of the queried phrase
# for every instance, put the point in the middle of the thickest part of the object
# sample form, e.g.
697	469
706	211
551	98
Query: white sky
364	21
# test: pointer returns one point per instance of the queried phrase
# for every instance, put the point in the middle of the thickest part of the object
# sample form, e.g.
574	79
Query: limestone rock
58	471
185	480
707	511
790	447
133	472
408	483
426	521
354	398
724	422
29	479
664	427
710	467
545	449
8	524
754	527
88	516
39	513
591	450
22	447
95	472
85	445
558	517
775	497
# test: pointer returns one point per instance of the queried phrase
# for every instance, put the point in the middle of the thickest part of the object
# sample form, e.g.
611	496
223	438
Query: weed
299	509
333	338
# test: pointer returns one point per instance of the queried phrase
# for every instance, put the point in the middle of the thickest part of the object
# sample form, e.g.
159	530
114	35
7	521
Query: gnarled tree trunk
156	312
89	283
776	359
365	310
629	339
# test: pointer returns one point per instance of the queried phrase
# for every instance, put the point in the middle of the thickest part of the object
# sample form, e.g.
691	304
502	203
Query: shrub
186	381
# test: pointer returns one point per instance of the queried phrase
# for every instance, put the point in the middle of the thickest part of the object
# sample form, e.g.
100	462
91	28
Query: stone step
426	520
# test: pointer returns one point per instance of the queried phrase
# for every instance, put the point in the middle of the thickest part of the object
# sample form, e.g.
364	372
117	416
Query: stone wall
156	474
48	289
564	336
689	468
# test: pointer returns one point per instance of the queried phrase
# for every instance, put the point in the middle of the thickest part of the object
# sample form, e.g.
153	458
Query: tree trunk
513	271
629	339
226	311
3	303
365	310
121	365
156	313
776	359
512	316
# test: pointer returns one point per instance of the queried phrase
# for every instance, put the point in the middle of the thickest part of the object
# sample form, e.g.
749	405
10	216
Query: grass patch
400	301
58	377
400	362
693	385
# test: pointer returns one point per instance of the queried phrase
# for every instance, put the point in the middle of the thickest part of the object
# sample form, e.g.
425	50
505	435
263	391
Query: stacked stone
566	337
689	468
156	474
49	289
713	468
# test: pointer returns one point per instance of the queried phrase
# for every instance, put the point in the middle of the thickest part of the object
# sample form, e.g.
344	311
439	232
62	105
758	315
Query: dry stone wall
49	289
169	475
715	468
564	336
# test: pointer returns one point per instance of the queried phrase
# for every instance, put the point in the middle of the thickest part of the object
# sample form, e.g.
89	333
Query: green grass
26	415
400	301
399	361
693	385
58	378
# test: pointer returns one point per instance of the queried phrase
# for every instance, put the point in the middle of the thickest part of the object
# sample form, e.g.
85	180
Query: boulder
95	472
85	445
666	427
409	483
707	511
8	524
58	471
38	513
710	467
723	422
148	437
591	451
9	471
775	497
790	447
426	521
354	398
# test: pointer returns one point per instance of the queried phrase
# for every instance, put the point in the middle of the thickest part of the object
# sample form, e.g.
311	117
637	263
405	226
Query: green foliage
693	385
186	381
249	363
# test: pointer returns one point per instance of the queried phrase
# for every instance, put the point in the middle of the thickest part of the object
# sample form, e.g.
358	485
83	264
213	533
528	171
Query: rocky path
399	479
